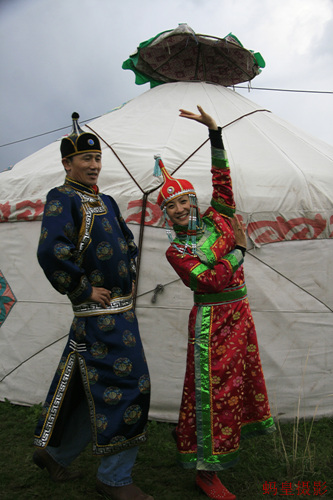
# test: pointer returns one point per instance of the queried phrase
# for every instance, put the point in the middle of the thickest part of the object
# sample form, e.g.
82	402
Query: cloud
67	55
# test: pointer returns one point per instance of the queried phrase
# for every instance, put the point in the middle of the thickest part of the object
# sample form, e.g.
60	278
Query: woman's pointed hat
171	188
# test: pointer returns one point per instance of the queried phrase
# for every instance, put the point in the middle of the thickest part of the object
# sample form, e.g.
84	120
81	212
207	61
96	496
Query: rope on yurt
32	356
224	126
147	193
118	158
289	279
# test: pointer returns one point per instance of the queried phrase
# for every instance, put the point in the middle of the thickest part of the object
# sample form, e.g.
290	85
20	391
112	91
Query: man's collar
81	187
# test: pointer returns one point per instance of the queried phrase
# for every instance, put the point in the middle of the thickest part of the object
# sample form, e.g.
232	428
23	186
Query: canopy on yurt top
182	55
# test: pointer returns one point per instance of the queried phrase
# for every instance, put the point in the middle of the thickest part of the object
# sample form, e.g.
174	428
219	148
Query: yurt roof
277	169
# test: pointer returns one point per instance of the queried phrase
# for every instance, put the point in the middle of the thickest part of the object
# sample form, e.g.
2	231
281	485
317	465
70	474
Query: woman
224	393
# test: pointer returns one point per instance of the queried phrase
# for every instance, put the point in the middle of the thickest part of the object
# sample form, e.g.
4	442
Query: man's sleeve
57	250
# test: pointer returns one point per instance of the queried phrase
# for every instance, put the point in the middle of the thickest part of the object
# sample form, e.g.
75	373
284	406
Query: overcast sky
59	56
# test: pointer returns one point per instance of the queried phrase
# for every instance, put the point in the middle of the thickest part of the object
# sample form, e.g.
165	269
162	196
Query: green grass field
298	459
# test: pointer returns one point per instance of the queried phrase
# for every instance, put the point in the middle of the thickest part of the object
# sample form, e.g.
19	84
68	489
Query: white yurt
283	185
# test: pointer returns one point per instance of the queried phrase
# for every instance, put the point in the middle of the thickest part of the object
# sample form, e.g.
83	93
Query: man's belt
117	305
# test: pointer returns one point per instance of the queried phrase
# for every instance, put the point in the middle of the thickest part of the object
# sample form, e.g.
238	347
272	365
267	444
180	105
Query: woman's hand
239	232
101	295
203	118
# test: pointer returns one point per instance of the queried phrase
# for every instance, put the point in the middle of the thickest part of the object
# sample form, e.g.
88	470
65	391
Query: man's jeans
114	470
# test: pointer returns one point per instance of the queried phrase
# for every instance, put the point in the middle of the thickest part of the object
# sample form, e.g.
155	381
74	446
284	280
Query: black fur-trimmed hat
79	141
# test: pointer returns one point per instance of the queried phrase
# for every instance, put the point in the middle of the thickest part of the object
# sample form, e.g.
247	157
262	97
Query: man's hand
203	118
101	295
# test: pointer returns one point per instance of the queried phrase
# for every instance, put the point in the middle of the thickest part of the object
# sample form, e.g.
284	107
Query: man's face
84	168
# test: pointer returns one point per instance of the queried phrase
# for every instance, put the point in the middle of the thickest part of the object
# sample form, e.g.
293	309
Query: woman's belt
117	305
228	295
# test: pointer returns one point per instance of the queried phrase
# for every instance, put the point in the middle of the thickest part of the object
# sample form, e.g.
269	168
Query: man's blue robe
85	242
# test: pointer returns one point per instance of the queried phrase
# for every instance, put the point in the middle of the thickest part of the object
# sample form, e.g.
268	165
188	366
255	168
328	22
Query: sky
60	56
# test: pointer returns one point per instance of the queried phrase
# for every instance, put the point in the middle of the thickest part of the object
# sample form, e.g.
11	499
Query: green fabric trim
222	462
141	78
202	388
132	61
201	268
256	55
204	459
205	243
258	428
236	259
259	59
216	298
221	163
233	37
206	237
222	208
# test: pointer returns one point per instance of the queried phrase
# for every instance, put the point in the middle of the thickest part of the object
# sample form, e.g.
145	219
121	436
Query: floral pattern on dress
224	389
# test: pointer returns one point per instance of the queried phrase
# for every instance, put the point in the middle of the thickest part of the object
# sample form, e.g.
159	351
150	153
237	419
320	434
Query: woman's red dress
224	393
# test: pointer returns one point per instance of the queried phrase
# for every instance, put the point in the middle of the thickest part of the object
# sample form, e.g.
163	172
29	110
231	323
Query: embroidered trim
111	449
91	205
77	347
84	285
54	408
107	449
116	306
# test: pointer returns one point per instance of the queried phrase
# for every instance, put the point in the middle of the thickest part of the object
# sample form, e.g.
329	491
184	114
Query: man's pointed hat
78	141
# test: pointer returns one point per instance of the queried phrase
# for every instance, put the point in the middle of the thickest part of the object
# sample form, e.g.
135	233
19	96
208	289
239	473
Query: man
101	390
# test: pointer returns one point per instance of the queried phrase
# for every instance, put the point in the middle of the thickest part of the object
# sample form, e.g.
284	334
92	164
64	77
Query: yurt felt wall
283	184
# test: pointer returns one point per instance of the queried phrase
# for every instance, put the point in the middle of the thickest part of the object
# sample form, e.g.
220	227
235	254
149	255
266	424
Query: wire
288	279
235	86
32	356
286	90
33	137
44	133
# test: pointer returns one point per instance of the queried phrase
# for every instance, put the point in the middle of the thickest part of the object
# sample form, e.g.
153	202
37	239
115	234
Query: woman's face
178	210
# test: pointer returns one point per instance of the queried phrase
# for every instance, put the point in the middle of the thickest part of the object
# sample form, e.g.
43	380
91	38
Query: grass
271	458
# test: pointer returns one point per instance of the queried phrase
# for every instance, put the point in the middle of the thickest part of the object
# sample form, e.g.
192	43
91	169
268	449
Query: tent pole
142	226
